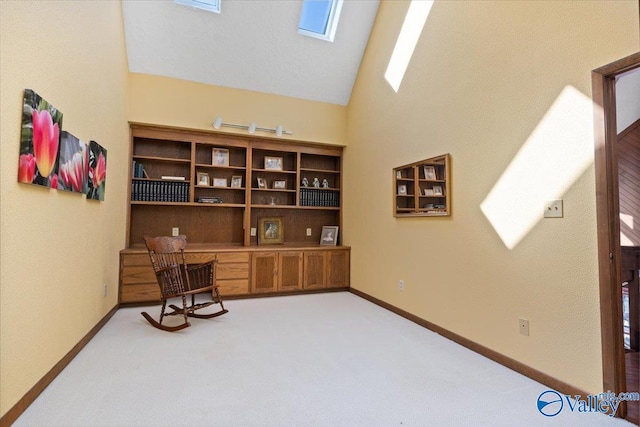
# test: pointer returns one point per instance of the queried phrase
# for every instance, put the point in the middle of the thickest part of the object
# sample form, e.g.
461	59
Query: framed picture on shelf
398	174
203	178
220	157
402	190
428	191
273	163
437	190
236	181
270	231
280	184
430	173
219	182
329	236
262	183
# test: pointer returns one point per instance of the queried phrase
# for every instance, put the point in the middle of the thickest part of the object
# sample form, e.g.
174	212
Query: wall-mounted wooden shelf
422	188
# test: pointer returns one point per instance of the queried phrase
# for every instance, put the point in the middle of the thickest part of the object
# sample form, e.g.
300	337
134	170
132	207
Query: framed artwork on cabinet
236	181
437	190
203	178
219	182
273	163
262	183
280	184
329	236
402	190
270	231
220	157
430	173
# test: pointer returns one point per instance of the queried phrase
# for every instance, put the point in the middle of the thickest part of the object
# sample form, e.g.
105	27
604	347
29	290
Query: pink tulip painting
73	169
39	141
46	137
26	168
97	171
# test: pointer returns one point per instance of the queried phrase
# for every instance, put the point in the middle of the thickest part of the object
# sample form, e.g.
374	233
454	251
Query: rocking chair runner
177	279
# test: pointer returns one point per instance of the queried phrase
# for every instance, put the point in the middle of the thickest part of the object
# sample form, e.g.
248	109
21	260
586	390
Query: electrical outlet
524	326
401	285
175	231
308	232
553	209
253	231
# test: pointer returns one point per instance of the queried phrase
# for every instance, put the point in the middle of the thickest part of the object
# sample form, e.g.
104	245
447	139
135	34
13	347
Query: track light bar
251	128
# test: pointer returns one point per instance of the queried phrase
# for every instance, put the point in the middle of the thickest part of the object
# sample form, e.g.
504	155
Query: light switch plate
308	232
175	231
553	209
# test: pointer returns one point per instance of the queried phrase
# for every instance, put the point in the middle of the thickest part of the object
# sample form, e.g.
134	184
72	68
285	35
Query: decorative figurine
316	183
325	183
305	182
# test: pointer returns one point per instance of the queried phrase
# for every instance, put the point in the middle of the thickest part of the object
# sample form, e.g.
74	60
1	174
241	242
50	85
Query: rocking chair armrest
201	276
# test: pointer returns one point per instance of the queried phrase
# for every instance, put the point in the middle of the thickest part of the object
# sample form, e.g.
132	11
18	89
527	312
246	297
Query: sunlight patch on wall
625	241
554	156
407	39
627	220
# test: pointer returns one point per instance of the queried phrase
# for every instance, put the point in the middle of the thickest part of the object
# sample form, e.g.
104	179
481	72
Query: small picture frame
402	190
236	181
219	182
430	173
270	231
398	174
262	183
428	191
220	157
437	190
203	178
280	185
329	235
273	163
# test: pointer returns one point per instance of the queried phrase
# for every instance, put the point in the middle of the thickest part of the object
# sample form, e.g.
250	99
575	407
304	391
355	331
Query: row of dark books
159	191
319	197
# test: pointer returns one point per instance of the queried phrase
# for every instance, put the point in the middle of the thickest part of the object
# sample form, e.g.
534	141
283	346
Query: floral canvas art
39	141
97	171
73	164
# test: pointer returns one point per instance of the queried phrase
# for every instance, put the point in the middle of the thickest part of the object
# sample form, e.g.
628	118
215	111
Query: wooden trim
508	362
30	396
629	129
608	222
187	134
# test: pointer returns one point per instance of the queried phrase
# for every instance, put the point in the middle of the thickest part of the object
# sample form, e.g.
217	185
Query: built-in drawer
145	292
233	287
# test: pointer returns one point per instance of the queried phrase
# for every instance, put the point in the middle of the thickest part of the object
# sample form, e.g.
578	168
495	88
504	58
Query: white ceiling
252	44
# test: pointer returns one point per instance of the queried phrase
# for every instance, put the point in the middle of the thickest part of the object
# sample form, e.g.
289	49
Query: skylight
210	5
319	18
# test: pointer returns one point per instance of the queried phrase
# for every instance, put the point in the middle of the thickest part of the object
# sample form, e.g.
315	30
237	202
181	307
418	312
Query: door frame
603	83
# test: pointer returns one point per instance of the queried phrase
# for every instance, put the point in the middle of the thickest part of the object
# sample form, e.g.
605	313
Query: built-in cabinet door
337	269
290	271
314	270
264	270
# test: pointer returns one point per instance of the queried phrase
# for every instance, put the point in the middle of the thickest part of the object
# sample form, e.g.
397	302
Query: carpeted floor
312	360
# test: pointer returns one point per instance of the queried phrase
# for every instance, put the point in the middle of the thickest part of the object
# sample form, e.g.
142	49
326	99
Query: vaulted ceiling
252	44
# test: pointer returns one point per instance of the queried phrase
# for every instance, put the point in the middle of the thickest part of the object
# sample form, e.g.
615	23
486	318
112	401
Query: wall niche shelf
423	188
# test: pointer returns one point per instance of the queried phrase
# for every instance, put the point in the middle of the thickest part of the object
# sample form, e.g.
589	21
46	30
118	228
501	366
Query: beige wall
504	87
172	102
58	249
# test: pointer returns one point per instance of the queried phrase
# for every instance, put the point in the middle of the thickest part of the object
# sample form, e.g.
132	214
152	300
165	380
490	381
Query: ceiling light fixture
251	128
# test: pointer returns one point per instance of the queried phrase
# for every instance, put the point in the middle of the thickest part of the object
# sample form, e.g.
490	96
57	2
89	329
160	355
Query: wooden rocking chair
177	279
